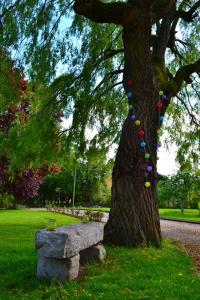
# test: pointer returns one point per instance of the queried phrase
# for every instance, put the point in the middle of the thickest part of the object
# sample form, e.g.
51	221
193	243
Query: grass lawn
168	213
189	214
125	274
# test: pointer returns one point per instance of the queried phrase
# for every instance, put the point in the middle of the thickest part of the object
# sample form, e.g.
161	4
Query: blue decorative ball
162	118
143	144
129	94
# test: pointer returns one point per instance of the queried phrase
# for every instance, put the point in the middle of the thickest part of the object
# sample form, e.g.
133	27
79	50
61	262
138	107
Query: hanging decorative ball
130	106
141	133
147	184
137	122
133	117
164	97
129	82
143	144
161	93
159	145
129	94
147	155
159	105
162	118
158	131
149	169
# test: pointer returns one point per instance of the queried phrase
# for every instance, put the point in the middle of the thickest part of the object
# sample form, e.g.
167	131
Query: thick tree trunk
134	219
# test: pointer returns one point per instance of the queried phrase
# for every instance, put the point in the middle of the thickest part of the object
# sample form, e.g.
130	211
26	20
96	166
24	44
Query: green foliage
9	77
181	187
92	181
8	201
34	142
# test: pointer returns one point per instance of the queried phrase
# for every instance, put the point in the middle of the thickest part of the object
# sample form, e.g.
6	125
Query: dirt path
187	234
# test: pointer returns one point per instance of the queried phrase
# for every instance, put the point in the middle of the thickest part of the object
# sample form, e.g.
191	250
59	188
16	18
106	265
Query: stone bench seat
60	252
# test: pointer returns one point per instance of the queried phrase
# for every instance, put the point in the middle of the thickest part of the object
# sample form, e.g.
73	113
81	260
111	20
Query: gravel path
181	231
187	234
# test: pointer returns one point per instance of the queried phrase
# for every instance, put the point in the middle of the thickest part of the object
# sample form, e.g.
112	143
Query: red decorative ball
130	82
141	133
159	105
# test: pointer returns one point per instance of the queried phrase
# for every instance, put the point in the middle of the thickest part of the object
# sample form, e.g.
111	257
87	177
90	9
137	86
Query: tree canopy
82	62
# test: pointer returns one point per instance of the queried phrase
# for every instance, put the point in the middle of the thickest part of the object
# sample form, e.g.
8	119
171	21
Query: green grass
168	213
189	214
165	273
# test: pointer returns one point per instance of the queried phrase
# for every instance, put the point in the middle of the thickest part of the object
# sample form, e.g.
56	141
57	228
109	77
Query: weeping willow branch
194	120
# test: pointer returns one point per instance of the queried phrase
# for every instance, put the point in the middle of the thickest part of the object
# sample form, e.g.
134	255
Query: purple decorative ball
164	97
158	145
149	169
133	117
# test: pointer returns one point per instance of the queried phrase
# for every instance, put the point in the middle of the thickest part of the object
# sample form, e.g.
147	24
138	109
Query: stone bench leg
88	255
58	270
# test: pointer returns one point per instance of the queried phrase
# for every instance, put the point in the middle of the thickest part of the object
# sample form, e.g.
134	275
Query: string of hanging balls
141	133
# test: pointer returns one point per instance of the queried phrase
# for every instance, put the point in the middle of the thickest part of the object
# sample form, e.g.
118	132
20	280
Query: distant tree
22	183
91	181
180	189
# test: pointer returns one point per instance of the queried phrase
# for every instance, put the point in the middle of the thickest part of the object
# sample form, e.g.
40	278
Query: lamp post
74	189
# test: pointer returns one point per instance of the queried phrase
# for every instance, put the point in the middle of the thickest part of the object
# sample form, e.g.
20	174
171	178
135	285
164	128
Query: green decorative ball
130	106
161	93
147	155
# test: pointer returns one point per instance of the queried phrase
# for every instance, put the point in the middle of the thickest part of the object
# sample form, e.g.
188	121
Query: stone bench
62	251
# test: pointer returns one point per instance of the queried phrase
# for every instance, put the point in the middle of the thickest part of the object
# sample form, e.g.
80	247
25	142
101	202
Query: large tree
96	56
148	28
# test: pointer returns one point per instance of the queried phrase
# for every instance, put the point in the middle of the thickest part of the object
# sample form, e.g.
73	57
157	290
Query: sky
166	162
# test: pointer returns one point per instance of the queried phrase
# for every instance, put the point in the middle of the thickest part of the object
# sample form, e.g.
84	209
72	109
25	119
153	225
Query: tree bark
134	219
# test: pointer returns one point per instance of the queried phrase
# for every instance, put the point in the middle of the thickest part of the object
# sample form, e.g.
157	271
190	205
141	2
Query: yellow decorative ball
147	184
137	122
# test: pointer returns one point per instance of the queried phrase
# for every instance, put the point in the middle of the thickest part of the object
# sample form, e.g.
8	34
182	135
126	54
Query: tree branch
193	118
109	53
183	74
163	36
189	15
100	12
